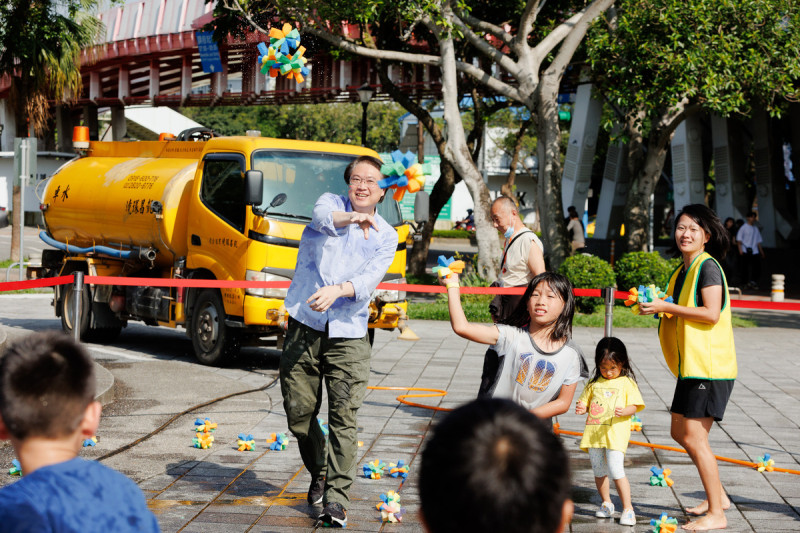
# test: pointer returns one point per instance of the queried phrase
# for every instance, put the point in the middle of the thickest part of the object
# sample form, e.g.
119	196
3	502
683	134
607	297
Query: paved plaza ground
223	490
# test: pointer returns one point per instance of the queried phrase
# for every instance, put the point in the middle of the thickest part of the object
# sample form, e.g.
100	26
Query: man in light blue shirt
344	253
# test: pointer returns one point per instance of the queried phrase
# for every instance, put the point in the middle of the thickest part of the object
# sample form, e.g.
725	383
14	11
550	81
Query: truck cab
220	210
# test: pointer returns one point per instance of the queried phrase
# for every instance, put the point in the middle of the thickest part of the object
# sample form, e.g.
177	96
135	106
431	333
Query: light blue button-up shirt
329	256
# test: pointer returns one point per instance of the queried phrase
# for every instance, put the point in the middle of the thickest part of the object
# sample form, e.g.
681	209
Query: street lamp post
365	93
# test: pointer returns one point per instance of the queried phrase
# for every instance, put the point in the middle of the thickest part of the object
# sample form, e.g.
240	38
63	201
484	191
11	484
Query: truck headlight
386	295
257	275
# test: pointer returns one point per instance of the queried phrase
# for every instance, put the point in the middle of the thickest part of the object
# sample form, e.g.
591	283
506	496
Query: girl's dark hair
562	328
719	241
614	349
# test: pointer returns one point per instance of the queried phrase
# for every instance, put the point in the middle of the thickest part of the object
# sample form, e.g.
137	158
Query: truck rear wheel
213	341
68	311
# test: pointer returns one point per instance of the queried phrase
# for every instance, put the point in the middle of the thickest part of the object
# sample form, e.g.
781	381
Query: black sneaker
334	515
316	491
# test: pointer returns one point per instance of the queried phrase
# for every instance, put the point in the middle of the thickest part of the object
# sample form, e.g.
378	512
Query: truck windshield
303	177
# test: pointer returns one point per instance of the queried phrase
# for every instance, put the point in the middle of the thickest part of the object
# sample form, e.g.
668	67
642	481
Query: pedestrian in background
748	240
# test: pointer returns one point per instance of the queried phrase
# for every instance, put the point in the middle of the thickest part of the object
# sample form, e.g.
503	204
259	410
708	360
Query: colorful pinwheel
374	469
645	295
246	443
278	441
403	174
284	55
660	478
390	507
16	469
90	442
201	425
447	266
664	524
400	469
765	463
284	40
636	423
203	440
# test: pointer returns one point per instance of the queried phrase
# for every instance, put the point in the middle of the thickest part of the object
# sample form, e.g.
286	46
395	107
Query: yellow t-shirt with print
603	429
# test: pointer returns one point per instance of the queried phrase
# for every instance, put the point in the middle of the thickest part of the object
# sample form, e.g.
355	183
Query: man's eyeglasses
356	181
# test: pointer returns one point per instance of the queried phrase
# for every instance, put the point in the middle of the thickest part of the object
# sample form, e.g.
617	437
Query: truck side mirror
421	207
253	187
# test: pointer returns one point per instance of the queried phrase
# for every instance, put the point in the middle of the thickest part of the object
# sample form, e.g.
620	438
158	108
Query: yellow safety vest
695	349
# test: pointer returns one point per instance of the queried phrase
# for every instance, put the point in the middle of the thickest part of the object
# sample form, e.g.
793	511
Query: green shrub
588	272
453	233
643	268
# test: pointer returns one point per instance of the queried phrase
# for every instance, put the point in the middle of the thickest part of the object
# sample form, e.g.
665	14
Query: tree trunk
548	197
441	193
644	167
509	188
637	205
18	210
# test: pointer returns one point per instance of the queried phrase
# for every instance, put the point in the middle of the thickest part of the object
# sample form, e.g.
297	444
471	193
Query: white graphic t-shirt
531	377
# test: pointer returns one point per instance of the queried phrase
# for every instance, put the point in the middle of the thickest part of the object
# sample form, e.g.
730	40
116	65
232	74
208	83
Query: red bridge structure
149	55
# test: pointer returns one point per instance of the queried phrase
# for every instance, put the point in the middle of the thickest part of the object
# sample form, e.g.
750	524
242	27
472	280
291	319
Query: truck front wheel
213	341
68	311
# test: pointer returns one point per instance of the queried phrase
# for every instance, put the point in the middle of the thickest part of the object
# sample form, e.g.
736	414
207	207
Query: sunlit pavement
222	489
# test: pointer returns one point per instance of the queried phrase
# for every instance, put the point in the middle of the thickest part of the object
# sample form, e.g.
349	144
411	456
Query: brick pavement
222	489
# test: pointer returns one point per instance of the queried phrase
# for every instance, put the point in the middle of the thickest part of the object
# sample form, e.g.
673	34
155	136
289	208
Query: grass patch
476	307
453	233
14	276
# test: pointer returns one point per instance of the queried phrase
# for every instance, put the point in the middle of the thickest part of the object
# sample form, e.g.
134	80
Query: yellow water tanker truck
221	208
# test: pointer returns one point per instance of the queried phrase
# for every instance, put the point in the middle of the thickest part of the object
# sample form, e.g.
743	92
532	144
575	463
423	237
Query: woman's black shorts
702	398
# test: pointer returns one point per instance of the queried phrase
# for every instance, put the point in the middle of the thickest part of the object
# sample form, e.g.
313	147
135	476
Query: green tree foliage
340	123
40	46
724	54
642	268
588	272
659	61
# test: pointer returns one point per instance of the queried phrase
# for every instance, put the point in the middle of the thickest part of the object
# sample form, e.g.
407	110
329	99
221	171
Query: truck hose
134	253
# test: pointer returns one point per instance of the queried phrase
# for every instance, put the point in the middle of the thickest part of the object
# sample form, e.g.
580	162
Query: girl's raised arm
458	320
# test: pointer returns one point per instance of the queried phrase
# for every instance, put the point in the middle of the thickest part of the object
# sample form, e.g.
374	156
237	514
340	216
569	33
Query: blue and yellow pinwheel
664	524
636	423
246	443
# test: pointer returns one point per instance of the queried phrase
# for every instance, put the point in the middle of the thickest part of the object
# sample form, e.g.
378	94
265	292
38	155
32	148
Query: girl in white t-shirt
540	365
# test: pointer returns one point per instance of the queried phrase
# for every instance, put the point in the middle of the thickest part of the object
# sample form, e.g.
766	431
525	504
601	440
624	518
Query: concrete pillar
769	182
613	193
186	77
119	128
155	78
123	84
90	120
687	164
9	123
64	127
729	161
577	175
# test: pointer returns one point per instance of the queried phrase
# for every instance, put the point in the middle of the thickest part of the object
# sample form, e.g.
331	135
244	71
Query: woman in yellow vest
698	346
